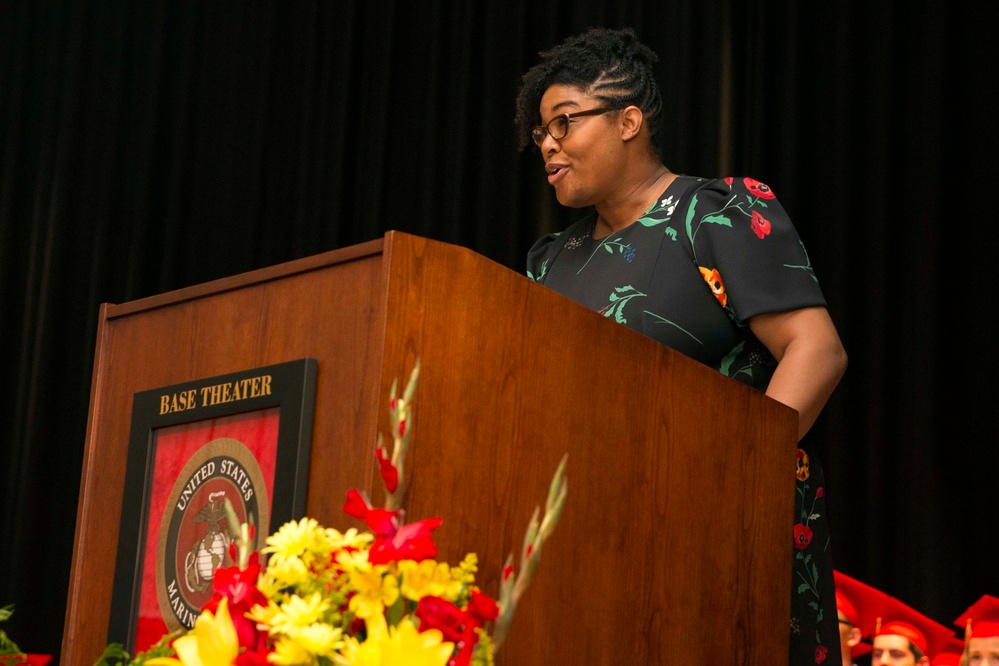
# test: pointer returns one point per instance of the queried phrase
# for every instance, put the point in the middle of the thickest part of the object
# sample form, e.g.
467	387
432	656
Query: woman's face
583	166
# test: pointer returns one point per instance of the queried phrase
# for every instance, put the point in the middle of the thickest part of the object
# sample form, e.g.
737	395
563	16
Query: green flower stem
513	588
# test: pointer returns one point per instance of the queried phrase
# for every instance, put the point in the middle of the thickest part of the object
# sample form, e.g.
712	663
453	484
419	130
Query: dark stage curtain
147	146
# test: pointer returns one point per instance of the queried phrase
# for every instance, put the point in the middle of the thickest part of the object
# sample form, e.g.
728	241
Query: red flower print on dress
760	225
728	181
820	654
802	536
713	278
758	189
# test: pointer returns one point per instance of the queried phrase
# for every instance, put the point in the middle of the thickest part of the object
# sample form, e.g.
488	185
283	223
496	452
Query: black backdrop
147	146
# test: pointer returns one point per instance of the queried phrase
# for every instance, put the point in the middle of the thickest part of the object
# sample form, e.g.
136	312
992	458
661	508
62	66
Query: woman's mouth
556	172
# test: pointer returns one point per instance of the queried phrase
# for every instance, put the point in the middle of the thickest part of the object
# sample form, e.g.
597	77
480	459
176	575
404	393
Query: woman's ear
630	122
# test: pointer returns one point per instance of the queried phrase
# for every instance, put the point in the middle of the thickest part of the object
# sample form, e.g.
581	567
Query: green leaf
690	218
649	222
717	219
609	248
814	605
671	232
804	587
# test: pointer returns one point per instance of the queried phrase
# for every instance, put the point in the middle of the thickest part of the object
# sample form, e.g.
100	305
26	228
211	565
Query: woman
710	267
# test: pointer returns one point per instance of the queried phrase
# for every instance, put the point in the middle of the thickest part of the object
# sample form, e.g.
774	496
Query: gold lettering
252	387
178	402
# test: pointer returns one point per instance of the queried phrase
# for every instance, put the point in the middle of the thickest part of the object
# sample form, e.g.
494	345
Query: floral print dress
707	256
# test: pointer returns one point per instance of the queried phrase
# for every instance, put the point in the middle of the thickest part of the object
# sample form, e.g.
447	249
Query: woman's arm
810	359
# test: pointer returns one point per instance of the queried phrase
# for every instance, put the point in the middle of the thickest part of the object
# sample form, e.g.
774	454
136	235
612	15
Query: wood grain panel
328	307
675	543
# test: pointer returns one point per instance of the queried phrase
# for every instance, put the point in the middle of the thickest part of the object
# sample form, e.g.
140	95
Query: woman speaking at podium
711	267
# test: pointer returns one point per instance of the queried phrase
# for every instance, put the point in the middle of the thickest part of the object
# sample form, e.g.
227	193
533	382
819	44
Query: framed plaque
244	438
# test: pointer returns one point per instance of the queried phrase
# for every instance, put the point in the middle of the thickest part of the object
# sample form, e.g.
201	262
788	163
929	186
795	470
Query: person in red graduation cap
981	632
950	655
850	643
900	635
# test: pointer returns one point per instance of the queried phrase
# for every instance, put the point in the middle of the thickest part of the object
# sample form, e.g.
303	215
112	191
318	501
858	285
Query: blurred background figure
981	632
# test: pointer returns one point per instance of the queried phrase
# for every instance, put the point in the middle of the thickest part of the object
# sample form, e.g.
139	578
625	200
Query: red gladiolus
402	427
390	475
239	586
507	572
482	608
392	542
409	542
381	521
802	536
758	189
441	614
760	225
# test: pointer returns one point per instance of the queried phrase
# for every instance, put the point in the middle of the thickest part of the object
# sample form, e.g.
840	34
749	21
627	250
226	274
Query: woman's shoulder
547	248
735	185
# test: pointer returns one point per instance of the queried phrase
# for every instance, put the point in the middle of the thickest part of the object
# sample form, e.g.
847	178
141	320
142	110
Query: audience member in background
981	632
900	635
951	654
851	646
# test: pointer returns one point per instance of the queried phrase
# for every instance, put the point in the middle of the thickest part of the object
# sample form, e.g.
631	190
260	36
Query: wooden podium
675	545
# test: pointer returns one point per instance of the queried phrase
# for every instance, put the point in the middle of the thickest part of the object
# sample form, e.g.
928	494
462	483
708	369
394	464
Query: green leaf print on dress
618	299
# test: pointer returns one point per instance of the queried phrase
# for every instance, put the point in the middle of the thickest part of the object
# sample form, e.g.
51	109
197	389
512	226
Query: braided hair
611	65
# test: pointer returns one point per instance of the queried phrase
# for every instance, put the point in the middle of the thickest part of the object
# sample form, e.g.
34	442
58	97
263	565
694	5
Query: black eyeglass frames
558	126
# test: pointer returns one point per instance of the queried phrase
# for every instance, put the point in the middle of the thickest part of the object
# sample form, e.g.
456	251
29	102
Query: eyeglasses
558	126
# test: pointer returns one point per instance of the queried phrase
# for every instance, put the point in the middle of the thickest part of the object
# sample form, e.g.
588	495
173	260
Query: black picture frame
291	389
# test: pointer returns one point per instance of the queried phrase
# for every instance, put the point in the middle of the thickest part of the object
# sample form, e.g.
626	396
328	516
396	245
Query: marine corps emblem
194	534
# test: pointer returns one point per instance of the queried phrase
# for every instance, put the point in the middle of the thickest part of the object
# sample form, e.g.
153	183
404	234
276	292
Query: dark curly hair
611	65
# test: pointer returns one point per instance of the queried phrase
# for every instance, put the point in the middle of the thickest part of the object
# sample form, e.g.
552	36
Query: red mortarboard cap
846	607
950	655
882	614
984	618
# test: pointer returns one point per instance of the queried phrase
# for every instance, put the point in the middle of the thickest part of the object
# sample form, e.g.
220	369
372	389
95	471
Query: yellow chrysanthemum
420	579
349	539
288	652
212	642
295	538
288	571
297	612
319	639
353	560
375	591
263	614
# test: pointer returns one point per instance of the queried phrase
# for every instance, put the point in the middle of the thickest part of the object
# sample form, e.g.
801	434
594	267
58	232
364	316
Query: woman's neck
631	201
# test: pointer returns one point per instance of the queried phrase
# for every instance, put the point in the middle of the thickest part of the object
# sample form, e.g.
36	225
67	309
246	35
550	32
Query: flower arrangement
10	653
376	598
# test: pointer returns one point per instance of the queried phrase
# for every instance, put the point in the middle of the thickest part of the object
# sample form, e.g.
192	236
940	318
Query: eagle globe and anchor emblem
194	534
208	553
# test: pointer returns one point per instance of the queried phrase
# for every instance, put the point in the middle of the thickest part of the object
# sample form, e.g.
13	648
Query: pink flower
819	492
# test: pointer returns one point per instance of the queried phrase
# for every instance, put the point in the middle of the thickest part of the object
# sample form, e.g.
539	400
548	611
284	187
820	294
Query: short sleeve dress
705	258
